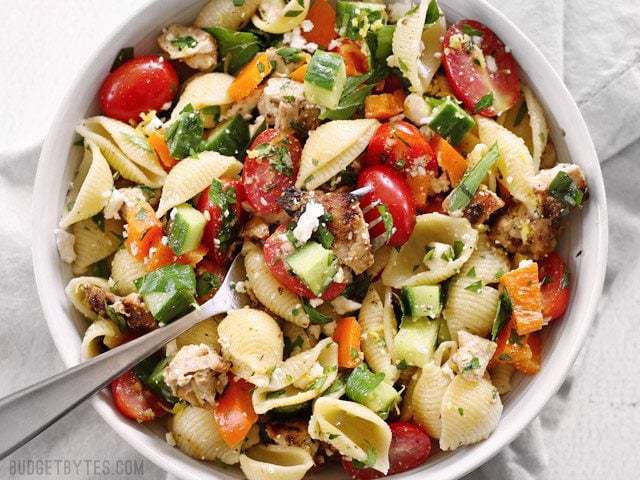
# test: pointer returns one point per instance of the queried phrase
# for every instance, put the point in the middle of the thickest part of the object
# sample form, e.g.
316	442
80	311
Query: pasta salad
391	185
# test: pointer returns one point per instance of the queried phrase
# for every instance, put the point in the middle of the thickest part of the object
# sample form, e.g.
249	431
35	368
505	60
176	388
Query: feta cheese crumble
308	221
65	242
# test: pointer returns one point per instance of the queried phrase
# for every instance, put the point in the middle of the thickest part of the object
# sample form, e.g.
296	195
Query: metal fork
27	412
380	240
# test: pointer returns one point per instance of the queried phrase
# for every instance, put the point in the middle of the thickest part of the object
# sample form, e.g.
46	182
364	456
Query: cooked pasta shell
430	57
124	270
487	263
119	161
204	332
501	376
192	175
206	90
515	162
470	307
222	13
406	45
427	396
195	432
76	294
406	266
274	16
130	141
353	430
539	127
377	352
268	291
380	260
91	187
275	462
94	243
331	148
252	341
101	331
299	338
470	412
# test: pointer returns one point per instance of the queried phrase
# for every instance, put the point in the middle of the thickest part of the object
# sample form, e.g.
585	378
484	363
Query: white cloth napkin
589	430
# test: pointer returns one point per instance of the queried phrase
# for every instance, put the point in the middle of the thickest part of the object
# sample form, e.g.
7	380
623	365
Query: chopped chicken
483	204
551	207
352	244
193	46
255	229
194	374
284	106
131	308
293	433
473	355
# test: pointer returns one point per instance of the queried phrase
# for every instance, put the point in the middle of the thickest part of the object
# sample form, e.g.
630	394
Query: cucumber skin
318	252
232	144
368	14
451	122
187	229
416	307
165	307
325	79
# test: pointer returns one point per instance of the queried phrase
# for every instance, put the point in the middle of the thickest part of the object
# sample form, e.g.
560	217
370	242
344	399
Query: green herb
278	156
472	272
352	98
447	255
475	287
115	317
293	13
333	436
290	54
514	338
565	190
461	411
522	111
123	56
260	67
429	252
387	221
237	48
206	283
225	199
171	278
499	274
138	140
458	247
315	316
98	219
402	364
238	3
564	281
317	384
503	313
545	280
354	354
370	460
403	66
469	30
184	42
433	13
484	102
472	365
184	136
100	269
357	288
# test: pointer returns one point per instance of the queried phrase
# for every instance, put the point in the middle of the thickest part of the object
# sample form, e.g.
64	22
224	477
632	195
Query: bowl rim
477	455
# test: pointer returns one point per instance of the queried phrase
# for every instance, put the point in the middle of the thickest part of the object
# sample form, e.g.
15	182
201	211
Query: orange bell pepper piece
299	73
194	256
347	336
521	351
323	17
159	144
523	288
250	77
234	412
449	159
385	105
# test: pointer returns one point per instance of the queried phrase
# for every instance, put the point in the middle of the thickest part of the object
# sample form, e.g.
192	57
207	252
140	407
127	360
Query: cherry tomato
267	175
276	248
410	447
554	278
134	400
390	190
222	228
137	86
478	65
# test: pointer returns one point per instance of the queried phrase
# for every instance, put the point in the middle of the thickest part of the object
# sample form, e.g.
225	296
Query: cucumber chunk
369	389
166	306
314	265
168	292
156	382
450	121
422	301
415	342
355	19
230	138
186	229
325	79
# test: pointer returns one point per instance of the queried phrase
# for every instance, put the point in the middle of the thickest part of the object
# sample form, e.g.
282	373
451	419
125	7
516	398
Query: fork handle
29	411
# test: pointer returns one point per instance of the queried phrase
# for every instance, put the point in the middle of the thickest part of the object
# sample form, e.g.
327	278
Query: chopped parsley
469	30
472	365
207	283
293	13
238	3
474	287
278	156
503	313
522	111
98	219
433	13
472	272
184	136
402	365
316	317
461	411
184	42
484	102
369	461
290	346
290	54
387	220
333	436
514	338
352	99
565	190
564	281
458	247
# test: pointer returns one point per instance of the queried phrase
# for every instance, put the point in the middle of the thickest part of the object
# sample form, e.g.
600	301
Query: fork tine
360	192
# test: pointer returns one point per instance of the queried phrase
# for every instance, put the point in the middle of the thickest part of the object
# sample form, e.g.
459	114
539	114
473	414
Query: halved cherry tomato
267	175
355	60
410	447
479	67
323	17
137	86
389	189
554	285
223	226
134	400
276	248
401	145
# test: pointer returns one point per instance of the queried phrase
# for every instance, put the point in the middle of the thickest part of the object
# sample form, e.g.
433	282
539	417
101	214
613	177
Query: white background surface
591	430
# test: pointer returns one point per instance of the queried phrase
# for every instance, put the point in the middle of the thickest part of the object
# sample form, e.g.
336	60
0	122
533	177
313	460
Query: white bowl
587	232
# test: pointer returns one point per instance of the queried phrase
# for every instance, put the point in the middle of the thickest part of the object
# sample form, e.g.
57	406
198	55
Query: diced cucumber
156	382
210	115
422	301
443	333
230	138
370	390
355	19
449	120
166	306
325	79
415	342
383	48
314	265
186	229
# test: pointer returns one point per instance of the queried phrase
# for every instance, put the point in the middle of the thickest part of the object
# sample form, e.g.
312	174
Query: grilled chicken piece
131	308
483	204
551	207
293	433
193	46
284	106
352	244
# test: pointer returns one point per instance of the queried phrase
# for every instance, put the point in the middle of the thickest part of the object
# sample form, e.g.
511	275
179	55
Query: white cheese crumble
308	221
295	40
343	305
491	63
307	25
170	440
65	242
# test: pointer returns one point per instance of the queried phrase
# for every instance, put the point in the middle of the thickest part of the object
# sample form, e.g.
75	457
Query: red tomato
410	447
228	225
473	77
275	249
389	189
356	62
134	400
209	267
137	86
554	278
265	177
